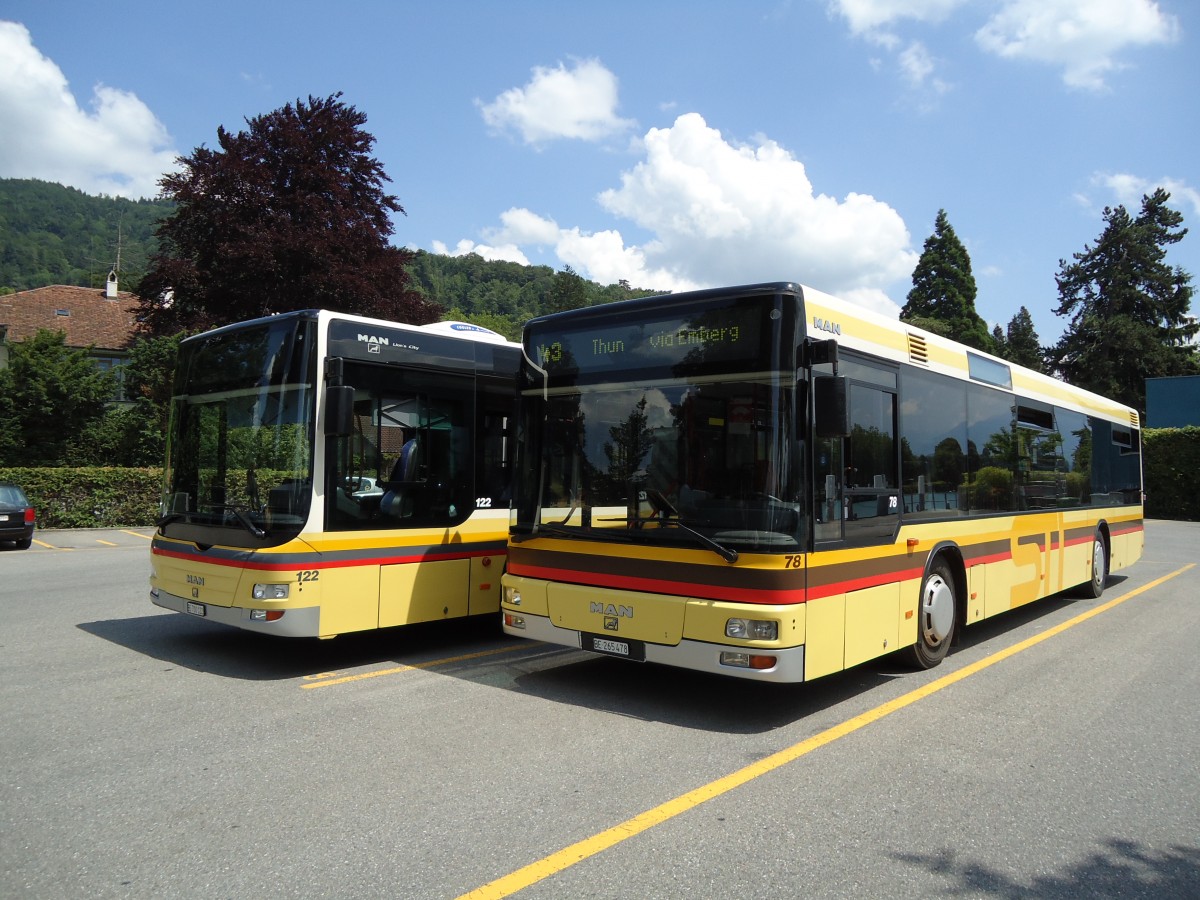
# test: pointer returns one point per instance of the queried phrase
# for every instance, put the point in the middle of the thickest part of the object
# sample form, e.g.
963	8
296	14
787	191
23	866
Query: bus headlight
271	591
752	629
512	595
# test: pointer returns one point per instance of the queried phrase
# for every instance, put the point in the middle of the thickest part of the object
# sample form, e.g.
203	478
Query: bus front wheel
935	617
1094	586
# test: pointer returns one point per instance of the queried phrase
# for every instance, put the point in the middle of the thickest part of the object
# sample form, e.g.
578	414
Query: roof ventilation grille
917	351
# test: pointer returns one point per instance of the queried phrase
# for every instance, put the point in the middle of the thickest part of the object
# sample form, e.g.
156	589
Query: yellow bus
327	473
770	483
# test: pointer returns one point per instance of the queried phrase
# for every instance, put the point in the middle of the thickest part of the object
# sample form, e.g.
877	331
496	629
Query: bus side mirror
831	412
339	410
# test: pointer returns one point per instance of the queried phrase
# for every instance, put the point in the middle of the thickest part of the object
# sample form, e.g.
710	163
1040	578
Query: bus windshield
239	460
672	430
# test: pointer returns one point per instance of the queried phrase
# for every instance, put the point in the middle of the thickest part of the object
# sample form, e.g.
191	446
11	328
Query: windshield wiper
669	515
244	520
614	536
726	553
572	531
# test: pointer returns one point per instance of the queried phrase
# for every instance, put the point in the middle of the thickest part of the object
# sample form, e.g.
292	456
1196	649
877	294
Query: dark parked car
16	516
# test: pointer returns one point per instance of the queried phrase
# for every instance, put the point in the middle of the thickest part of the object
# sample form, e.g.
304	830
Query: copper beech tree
289	214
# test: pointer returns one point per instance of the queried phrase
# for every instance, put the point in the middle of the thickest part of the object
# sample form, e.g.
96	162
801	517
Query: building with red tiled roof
100	321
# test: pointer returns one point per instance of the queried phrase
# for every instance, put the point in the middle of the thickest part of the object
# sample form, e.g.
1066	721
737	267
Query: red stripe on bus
708	591
1130	528
325	564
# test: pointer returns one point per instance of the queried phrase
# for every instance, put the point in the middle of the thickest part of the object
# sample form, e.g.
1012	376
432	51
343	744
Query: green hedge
91	497
1172	473
128	498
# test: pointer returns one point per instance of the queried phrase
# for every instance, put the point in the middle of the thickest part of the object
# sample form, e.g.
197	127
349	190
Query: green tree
1128	307
569	291
48	394
134	434
1019	343
942	298
289	214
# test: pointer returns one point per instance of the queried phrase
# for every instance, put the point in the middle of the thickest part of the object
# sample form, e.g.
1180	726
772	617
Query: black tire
1094	586
937	617
24	543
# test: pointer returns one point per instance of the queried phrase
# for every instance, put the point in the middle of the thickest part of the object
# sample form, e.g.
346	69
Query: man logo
611	610
826	325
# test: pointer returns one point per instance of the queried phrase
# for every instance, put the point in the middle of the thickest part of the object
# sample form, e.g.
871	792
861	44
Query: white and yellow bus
328	473
770	483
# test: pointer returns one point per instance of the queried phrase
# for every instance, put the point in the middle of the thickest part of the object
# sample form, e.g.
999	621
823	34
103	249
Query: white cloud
917	66
506	252
869	18
720	213
520	226
874	21
579	103
1128	190
1082	38
117	148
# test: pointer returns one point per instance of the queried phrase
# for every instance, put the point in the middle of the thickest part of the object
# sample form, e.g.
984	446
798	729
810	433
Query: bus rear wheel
935	617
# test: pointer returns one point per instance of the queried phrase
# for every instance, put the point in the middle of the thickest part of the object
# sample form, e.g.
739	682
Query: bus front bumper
687	654
301	622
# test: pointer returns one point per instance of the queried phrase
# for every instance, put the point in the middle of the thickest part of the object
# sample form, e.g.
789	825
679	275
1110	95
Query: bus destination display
725	334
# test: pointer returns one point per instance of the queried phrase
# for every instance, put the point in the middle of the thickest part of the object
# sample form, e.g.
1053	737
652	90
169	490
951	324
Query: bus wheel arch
940	607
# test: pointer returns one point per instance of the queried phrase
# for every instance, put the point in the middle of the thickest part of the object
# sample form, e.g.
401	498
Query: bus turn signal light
748	660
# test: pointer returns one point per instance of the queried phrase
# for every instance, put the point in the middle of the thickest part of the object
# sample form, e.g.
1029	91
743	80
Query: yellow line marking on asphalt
50	546
588	847
328	678
148	537
106	543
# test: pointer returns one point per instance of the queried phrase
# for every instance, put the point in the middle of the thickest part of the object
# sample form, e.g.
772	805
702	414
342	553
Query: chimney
110	289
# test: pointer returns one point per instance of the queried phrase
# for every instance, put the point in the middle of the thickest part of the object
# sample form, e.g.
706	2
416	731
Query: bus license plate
196	609
625	649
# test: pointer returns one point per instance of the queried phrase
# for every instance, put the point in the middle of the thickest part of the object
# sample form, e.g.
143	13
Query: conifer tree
942	298
1128	306
49	392
1020	342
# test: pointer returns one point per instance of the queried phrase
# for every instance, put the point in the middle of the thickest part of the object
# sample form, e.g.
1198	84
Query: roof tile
90	317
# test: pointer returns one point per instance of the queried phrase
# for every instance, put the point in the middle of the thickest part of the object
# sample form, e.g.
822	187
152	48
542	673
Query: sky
674	145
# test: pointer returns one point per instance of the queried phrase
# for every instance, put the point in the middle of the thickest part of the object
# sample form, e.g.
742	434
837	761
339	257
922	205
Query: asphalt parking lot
152	754
90	538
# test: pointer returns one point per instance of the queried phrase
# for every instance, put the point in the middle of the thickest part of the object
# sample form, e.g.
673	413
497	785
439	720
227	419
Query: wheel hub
937	610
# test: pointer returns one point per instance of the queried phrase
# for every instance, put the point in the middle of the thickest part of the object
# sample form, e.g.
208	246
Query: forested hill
503	295
50	234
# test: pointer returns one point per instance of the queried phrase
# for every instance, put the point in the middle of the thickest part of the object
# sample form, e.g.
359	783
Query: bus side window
871	491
